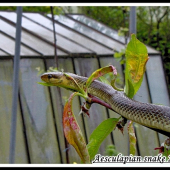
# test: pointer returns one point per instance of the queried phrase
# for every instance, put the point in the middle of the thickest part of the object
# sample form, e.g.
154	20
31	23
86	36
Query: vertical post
132	30
55	40
132	20
15	86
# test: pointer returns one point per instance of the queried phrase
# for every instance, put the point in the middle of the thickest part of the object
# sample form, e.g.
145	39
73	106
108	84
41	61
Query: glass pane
105	61
6	74
36	105
9	45
97	112
3	53
59	97
123	145
46	34
156	79
89	32
104	29
152	50
157	84
143	132
80	28
29	39
80	39
98	26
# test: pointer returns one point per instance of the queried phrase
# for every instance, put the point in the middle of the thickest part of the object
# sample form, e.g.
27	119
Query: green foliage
166	153
73	132
113	16
45	84
109	77
120	56
136	58
153	29
100	72
44	9
132	138
99	134
153	23
111	150
123	31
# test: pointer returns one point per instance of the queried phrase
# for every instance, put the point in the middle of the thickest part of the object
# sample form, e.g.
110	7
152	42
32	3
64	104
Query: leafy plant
99	134
136	57
153	24
44	9
111	150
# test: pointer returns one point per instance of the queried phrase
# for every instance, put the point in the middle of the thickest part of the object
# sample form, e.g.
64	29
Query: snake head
55	78
59	79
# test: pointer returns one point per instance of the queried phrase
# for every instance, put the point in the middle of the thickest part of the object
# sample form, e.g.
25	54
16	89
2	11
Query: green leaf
136	59
111	150
104	80
98	73
112	83
99	134
117	55
73	132
130	91
45	84
132	138
166	153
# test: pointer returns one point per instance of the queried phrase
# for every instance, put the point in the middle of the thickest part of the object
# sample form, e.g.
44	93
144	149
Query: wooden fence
39	133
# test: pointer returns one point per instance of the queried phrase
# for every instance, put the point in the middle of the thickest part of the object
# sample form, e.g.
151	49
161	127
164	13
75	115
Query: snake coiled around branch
156	117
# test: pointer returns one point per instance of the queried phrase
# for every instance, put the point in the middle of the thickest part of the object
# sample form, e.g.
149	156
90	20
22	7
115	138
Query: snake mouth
45	78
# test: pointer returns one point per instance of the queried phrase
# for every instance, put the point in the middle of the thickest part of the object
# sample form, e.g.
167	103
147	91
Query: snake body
147	114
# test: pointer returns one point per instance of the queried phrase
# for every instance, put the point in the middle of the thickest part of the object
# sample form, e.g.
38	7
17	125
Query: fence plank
85	67
66	65
147	138
157	84
37	112
120	140
104	61
6	72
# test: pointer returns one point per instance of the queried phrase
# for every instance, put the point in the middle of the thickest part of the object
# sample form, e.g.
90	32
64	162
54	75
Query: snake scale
147	114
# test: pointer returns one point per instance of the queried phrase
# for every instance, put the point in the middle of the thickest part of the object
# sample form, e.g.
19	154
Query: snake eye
50	76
